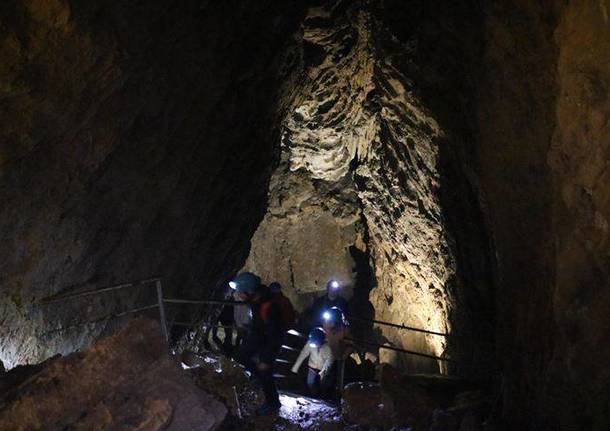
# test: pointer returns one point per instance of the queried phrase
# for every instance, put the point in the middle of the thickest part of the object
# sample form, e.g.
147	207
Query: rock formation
448	161
360	174
124	382
543	157
136	140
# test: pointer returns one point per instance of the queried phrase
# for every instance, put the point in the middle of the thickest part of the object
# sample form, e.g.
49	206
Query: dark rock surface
136	139
124	382
512	212
454	153
543	166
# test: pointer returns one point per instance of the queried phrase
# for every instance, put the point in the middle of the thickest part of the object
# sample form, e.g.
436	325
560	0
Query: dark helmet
334	315
317	337
246	282
275	287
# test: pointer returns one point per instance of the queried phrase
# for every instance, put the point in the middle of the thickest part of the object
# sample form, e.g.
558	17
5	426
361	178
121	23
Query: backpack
287	312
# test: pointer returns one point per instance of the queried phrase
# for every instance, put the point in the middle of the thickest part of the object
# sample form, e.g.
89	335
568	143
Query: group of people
262	323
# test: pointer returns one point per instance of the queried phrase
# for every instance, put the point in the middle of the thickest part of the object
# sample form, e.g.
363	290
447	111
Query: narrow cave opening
445	163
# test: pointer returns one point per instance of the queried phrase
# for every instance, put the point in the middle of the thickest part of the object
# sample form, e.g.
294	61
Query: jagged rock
136	139
359	171
414	402
411	401
366	404
226	380
123	382
459	150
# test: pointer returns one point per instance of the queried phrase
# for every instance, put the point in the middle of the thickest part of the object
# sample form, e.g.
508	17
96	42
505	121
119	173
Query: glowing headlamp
314	345
326	315
233	285
334	284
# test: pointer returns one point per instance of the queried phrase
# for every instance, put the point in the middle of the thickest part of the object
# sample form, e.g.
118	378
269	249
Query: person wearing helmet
227	323
336	327
332	298
286	308
320	361
263	340
242	314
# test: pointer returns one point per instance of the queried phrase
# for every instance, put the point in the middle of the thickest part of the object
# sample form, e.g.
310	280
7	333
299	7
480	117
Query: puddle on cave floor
298	413
307	413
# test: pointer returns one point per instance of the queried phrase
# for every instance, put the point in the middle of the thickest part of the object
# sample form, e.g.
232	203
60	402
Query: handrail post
162	310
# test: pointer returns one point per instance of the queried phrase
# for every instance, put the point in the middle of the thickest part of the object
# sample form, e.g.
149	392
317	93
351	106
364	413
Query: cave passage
446	163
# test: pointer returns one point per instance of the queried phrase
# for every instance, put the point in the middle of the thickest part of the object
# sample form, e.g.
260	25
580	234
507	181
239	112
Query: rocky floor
128	382
297	413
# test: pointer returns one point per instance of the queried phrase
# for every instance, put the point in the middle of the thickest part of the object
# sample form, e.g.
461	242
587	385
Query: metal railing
161	302
361	342
156	281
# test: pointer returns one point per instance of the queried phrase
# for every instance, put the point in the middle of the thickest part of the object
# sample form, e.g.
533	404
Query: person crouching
319	364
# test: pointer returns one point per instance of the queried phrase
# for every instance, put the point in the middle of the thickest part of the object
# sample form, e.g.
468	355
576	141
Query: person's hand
262	366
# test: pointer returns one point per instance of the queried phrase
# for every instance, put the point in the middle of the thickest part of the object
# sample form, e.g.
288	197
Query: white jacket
320	358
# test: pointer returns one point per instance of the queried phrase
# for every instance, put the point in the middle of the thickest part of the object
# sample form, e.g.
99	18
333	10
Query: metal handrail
398	349
365	342
399	326
101	319
204	302
63	297
385	346
379	322
159	304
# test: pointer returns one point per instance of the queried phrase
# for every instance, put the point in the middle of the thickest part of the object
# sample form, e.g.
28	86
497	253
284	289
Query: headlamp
233	285
314	345
326	315
334	284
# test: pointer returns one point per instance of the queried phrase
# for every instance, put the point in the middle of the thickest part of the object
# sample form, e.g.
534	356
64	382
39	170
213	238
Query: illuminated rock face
135	140
131	145
360	169
521	111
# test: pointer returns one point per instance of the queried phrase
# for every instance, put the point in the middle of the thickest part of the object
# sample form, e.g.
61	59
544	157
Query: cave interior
416	151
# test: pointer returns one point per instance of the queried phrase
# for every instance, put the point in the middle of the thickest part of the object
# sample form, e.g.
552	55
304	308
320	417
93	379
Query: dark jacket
322	304
267	329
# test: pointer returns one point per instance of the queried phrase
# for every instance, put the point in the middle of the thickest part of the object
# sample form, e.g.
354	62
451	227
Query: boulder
123	382
225	379
415	400
366	404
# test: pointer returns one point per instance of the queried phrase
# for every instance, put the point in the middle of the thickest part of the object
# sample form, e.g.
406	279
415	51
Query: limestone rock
367	405
359	174
136	140
123	382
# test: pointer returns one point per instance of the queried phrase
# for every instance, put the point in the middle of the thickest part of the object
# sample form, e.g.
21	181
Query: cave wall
136	139
361	153
515	94
544	143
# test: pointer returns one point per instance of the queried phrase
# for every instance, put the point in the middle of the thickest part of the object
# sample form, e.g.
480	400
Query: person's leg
328	383
269	388
245	355
313	381
227	343
216	339
340	375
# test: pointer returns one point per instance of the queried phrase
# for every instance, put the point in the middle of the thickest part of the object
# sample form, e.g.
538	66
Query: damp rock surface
136	140
123	382
359	176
